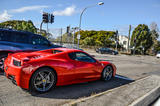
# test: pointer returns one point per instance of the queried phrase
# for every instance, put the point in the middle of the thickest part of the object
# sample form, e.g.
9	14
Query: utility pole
61	37
74	31
116	39
135	43
128	48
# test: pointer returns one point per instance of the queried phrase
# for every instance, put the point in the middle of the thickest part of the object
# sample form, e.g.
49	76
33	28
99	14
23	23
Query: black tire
39	80
100	52
2	59
107	73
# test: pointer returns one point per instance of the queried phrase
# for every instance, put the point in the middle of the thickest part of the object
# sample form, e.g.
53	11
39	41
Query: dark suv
20	41
106	50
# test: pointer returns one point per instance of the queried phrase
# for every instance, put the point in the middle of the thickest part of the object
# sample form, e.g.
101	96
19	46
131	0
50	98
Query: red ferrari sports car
42	70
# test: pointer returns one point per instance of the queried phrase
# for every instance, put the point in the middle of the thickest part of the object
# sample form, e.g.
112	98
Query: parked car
107	51
12	41
42	70
158	54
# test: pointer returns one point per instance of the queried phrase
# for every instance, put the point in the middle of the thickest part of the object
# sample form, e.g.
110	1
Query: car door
86	67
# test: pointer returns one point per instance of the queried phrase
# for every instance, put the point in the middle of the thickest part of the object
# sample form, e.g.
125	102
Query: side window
2	36
38	40
21	38
6	36
79	56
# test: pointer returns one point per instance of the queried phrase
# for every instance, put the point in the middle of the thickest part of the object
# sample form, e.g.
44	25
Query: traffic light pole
41	27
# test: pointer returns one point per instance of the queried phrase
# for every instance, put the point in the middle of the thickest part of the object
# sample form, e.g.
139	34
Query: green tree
157	46
141	38
96	38
19	25
88	41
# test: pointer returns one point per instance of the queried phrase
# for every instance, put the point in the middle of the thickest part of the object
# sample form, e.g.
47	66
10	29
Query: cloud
28	8
66	12
5	16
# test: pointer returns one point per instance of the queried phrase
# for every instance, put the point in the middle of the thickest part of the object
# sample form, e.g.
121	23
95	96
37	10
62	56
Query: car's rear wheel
107	73
43	80
2	59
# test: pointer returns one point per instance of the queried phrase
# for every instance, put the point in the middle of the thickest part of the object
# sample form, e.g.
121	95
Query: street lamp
78	36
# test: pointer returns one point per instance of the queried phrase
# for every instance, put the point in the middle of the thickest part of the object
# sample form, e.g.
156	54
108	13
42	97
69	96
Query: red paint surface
68	71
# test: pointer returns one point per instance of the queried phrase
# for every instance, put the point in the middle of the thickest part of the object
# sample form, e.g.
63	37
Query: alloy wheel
107	73
44	80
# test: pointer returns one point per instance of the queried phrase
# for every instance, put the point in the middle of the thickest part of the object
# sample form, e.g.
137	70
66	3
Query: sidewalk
139	93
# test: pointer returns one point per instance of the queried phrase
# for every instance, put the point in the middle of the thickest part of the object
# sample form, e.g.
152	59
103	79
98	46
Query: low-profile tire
2	59
43	80
107	73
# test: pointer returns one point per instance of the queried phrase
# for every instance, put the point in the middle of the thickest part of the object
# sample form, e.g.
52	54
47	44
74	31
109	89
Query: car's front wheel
43	80
107	73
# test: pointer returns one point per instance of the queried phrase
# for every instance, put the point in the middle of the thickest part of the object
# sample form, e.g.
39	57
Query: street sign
78	36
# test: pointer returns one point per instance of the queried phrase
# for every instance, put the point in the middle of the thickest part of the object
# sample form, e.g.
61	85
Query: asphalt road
130	68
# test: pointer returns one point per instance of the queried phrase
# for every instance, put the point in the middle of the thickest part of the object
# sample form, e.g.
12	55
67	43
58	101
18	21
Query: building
123	40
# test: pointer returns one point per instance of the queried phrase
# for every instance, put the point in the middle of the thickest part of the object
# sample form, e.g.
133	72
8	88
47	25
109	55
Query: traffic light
45	17
52	18
68	29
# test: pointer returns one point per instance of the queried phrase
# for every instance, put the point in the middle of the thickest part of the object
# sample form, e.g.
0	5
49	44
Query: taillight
16	63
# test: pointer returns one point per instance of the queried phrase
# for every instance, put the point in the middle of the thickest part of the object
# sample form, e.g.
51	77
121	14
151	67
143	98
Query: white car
158	54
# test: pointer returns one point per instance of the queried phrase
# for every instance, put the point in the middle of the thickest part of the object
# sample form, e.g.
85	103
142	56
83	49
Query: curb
145	100
148	98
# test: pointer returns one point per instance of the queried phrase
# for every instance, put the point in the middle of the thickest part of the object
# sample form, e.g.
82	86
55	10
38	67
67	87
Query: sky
113	15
